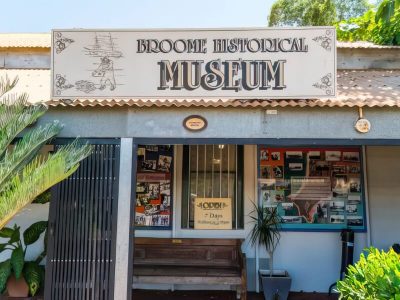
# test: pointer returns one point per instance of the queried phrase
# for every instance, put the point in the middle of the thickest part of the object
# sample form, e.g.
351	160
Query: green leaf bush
376	276
380	27
31	271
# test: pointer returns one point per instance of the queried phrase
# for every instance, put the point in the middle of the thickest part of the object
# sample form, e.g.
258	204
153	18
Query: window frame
239	186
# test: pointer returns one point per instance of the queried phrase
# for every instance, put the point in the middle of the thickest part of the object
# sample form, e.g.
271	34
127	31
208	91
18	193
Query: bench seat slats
186	271
187	280
190	261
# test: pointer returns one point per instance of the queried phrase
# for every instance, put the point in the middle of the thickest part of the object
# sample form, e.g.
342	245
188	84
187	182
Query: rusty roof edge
216	104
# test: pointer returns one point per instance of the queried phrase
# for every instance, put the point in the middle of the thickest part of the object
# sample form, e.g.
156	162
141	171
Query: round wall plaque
195	123
363	125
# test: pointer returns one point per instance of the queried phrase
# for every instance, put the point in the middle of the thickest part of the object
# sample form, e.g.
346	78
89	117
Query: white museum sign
221	63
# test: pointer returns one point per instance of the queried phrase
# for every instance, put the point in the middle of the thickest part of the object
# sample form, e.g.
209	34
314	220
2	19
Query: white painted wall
30	214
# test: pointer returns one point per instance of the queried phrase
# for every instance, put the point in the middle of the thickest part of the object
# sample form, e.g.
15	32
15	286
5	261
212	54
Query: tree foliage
315	12
380	27
24	172
347	9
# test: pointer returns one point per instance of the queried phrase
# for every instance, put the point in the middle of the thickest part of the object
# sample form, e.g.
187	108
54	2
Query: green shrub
374	277
381	27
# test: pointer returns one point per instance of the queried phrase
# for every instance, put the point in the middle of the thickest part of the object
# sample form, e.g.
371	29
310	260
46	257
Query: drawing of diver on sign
106	52
106	72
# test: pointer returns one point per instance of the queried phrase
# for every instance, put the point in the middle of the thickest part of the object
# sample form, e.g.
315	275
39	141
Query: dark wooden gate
82	229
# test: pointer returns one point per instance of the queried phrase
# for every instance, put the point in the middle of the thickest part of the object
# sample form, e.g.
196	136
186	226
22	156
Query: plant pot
276	286
17	287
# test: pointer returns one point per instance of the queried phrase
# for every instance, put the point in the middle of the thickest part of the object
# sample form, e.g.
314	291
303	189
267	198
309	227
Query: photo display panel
313	188
153	208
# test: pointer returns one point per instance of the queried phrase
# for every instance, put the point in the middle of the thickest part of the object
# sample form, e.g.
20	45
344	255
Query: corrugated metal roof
43	40
358	88
25	40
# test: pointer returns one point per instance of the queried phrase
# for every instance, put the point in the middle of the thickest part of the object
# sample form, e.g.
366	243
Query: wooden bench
190	261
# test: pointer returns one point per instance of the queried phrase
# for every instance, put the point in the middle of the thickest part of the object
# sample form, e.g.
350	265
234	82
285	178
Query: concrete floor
217	295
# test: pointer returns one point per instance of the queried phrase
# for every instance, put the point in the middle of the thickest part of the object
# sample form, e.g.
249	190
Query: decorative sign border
109	63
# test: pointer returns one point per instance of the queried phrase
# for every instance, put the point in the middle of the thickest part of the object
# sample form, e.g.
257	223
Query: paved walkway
217	295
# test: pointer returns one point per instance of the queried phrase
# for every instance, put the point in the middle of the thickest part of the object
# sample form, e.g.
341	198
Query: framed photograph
278	171
333	155
354	185
295	167
149	165
165	187
319	168
141	187
141	152
275	156
336	206
354	199
294	155
264	155
152	148
354	169
351	209
267	184
154	191
164	163
339	169
266	172
351	156
142	200
314	155
337	219
267	196
355	221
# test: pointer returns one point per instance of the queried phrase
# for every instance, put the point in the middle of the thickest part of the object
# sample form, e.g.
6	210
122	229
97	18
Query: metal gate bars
82	229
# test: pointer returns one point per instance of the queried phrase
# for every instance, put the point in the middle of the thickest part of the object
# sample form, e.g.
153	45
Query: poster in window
213	213
314	188
153	208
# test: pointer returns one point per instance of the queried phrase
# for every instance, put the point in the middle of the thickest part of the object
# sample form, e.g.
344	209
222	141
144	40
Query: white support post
124	220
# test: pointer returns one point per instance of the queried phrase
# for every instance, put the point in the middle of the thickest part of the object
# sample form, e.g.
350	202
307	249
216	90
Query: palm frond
266	228
13	120
38	176
7	85
25	149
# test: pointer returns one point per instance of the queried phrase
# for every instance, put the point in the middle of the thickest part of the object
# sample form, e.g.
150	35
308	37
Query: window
154	187
213	173
313	188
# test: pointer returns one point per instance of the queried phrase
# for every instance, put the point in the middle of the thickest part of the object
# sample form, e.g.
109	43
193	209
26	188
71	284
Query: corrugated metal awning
25	40
358	88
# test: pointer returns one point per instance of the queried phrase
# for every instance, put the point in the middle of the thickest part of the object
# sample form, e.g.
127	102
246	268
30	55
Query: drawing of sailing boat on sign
105	51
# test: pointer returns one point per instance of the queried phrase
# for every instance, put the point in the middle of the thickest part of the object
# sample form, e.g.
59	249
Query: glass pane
211	174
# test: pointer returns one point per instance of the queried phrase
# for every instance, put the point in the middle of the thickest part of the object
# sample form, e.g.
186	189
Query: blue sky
43	15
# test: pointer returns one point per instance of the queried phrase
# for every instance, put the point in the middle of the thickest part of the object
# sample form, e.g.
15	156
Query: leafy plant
24	173
374	277
302	13
31	271
380	27
265	231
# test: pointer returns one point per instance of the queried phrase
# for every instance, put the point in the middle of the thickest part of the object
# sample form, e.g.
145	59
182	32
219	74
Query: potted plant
276	283
19	277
